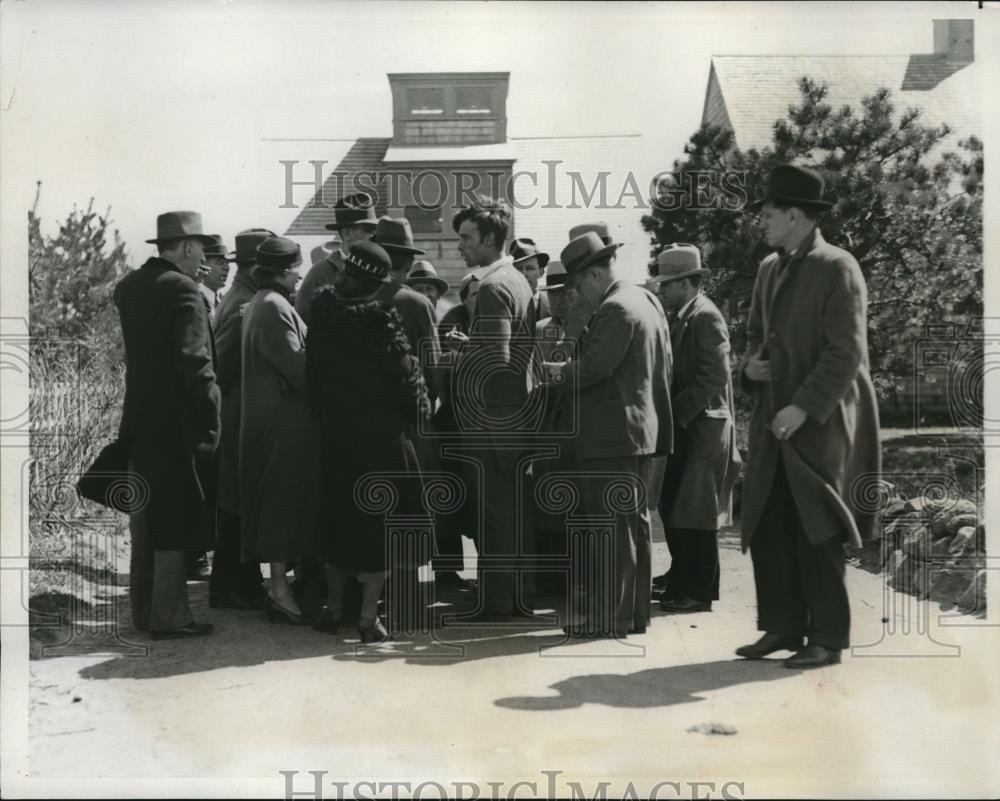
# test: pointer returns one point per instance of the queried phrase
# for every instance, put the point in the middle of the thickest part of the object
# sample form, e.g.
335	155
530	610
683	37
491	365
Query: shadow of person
664	686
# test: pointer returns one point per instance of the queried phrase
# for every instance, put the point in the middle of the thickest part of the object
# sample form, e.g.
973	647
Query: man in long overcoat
622	376
234	583
170	420
814	433
701	471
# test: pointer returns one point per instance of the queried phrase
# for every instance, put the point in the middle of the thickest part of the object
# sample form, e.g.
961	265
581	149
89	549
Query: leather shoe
449	579
680	606
768	644
660	581
813	656
190	630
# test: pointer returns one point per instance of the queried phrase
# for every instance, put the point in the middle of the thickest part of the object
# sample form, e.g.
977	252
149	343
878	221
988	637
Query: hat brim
597	255
203	238
545	288
342	226
401	249
543	260
442	285
791	201
663	279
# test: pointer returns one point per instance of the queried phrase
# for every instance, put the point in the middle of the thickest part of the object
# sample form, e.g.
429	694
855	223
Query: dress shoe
190	630
198	569
660	581
234	600
680	606
372	631
768	644
328	621
813	656
279	614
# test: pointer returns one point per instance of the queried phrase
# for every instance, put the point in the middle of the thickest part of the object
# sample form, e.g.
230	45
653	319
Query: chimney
953	39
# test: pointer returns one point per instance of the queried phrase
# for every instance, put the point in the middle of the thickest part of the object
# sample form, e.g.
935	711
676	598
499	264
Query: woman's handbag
110	482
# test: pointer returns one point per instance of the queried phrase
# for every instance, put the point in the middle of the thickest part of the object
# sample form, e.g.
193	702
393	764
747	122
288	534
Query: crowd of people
255	421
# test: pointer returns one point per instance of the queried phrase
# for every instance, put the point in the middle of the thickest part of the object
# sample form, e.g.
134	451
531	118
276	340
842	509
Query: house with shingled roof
450	139
747	94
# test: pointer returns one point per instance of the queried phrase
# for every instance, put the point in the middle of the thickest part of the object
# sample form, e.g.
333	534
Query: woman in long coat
279	455
366	386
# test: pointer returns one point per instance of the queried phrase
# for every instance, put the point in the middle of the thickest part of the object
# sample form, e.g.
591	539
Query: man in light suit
622	376
703	467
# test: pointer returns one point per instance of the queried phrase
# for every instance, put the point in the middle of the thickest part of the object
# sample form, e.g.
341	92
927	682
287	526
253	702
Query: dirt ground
909	712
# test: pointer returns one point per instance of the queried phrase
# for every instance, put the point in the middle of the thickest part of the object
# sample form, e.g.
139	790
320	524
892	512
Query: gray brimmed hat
217	250
677	260
174	225
599	228
423	272
246	244
396	237
583	251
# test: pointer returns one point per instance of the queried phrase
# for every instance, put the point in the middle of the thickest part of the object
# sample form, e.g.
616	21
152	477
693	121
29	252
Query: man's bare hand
787	421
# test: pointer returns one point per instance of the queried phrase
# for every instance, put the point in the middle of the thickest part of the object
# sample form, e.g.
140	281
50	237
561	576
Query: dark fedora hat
677	260
173	225
357	209
524	249
368	260
246	244
217	250
794	186
423	272
599	228
278	252
394	234
583	251
555	277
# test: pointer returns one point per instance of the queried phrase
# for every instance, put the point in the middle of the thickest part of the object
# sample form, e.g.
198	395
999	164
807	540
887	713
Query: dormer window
426	101
474	100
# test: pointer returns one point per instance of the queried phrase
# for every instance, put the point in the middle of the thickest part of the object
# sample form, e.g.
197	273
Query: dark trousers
229	573
506	534
694	564
611	568
157	581
800	586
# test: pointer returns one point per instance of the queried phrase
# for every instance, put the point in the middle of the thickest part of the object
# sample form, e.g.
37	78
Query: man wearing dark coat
354	221
700	472
622	376
234	583
814	433
170	420
393	234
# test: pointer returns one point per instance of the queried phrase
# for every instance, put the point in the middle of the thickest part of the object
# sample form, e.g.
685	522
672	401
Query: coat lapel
784	275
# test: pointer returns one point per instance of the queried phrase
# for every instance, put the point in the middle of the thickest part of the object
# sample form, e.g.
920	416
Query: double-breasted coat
367	390
810	322
228	344
170	416
700	475
279	450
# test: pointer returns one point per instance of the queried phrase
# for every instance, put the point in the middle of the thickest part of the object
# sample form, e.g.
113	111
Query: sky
150	106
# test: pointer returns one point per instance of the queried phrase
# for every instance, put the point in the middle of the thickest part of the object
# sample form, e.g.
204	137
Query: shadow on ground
663	686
